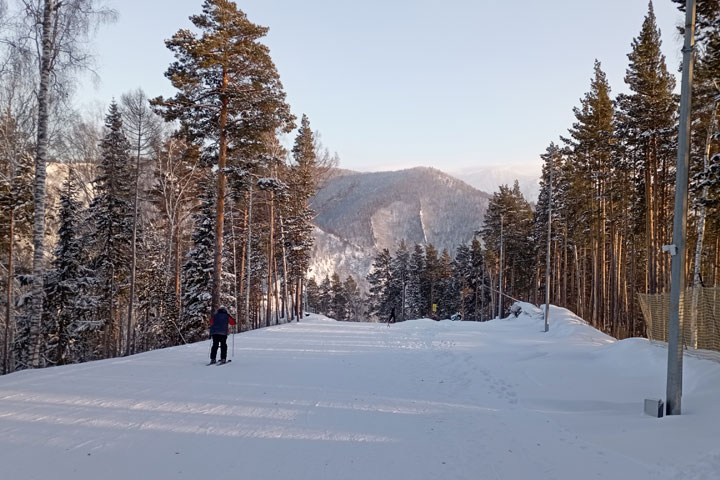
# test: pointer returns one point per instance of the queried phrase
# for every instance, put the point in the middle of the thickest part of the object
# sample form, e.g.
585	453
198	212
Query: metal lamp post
678	248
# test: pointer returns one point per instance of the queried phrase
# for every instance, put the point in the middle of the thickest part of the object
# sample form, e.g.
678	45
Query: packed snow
322	399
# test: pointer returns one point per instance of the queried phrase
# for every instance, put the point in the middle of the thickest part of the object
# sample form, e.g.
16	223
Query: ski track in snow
327	400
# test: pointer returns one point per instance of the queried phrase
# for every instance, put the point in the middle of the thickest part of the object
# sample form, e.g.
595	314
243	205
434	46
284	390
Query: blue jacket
220	322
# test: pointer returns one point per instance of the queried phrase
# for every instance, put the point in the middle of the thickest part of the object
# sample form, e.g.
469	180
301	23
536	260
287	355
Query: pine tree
705	140
354	299
648	117
16	215
313	295
275	189
339	301
298	221
380	279
510	216
69	303
144	129
178	183
448	297
397	291
325	296
590	171
197	269
110	214
560	186
417	304
229	96
429	281
462	281
479	282
158	305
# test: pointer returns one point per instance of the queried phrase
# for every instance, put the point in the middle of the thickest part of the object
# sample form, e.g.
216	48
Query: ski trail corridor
322	399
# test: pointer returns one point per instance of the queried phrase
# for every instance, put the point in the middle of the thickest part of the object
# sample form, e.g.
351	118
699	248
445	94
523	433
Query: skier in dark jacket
219	329
391	318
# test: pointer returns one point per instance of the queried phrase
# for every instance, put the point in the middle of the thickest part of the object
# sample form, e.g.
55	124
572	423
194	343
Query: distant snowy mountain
359	213
489	179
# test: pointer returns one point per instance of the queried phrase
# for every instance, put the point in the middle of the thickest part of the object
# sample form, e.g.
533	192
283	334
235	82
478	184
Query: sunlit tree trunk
248	248
9	324
271	255
238	273
651	274
46	53
220	201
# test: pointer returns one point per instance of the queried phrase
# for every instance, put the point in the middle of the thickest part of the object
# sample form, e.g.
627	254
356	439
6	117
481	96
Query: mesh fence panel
699	317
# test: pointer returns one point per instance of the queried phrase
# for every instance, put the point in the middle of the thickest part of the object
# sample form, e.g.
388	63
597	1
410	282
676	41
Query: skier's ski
218	363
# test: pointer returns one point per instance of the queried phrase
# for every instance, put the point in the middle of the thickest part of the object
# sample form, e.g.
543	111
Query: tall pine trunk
633	285
286	312
565	272
9	326
716	263
603	261
595	317
110	323
270	263
133	245
651	274
241	271
298	298
664	218
238	273
178	267
582	283
276	291
220	201
248	247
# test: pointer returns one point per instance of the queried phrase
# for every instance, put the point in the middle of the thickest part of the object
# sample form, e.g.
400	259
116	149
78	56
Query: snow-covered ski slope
329	400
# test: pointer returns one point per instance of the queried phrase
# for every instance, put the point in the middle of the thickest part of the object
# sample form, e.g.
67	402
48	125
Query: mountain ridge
358	213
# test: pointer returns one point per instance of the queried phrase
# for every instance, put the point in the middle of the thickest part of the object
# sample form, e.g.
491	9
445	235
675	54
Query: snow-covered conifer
380	279
197	269
69	302
397	291
417	303
110	218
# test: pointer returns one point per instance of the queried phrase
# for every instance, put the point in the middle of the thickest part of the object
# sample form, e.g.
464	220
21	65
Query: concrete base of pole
654	407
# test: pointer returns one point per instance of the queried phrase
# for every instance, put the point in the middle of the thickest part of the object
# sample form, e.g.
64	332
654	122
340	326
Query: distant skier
391	318
219	329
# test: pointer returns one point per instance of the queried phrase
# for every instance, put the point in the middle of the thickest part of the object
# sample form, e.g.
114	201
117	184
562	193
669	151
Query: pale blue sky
398	83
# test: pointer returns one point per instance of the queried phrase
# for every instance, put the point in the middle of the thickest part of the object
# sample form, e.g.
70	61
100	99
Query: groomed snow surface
330	400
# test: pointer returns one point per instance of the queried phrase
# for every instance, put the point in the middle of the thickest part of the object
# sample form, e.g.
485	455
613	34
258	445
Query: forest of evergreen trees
156	224
341	300
614	185
613	189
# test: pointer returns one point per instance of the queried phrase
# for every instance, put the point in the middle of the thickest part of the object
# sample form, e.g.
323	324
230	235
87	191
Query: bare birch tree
57	31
